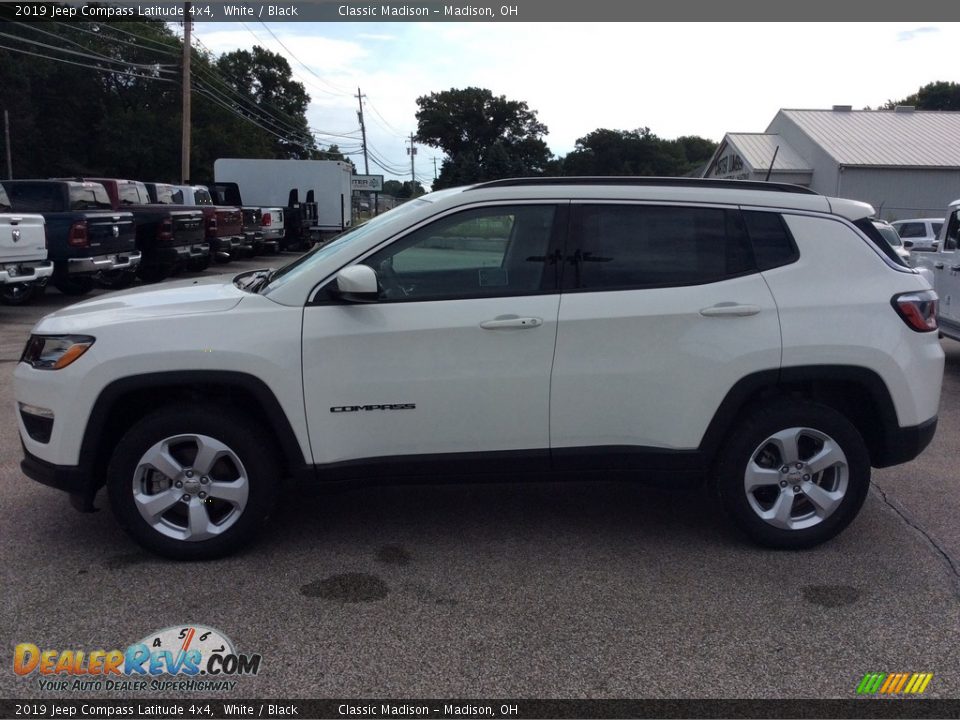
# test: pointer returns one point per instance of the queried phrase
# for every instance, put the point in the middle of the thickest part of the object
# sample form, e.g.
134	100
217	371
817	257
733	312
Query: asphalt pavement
568	590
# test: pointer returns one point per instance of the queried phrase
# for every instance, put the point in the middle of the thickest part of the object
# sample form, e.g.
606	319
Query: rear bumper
904	444
28	271
113	261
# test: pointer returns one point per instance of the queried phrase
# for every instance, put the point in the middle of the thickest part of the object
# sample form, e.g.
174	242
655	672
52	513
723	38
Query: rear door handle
506	323
730	310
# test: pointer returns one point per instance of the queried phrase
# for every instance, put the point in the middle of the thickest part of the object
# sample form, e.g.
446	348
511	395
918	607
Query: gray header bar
856	11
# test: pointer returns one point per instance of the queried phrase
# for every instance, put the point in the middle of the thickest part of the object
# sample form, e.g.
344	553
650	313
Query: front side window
912	230
953	232
476	253
635	246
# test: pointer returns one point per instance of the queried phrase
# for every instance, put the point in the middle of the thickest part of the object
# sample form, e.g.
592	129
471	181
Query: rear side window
773	245
937	226
616	247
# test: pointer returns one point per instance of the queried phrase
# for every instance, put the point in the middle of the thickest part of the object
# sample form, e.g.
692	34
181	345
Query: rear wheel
794	474
17	293
154	273
192	483
116	279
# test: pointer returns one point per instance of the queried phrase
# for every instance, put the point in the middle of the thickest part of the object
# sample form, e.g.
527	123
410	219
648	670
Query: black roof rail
630	180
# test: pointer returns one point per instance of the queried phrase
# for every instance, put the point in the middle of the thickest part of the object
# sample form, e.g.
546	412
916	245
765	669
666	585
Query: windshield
320	252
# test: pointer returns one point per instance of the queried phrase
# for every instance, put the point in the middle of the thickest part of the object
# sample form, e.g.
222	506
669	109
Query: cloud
907	35
373	36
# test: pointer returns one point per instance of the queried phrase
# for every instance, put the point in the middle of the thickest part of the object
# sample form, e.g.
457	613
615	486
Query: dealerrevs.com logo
185	657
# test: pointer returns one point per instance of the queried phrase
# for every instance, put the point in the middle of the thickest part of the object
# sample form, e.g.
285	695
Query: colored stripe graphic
894	683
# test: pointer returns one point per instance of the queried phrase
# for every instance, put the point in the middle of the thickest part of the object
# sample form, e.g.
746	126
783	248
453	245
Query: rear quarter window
866	226
773	245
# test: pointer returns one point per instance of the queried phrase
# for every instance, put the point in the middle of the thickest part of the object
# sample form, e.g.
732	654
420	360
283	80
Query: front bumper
105	263
74	480
21	272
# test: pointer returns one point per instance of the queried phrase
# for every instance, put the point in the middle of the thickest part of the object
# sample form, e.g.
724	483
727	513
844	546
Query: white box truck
267	183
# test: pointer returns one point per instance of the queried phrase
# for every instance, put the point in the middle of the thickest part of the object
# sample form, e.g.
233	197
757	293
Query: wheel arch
126	400
858	393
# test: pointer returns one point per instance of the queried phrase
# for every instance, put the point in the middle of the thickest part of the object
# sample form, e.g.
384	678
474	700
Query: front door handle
506	323
730	310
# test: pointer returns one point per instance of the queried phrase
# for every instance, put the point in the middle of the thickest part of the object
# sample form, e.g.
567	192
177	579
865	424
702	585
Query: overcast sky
677	79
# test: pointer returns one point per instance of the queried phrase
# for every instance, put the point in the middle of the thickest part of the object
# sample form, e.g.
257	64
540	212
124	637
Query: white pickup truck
24	267
942	271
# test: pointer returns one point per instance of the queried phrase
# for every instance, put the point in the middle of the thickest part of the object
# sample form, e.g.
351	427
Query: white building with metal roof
904	162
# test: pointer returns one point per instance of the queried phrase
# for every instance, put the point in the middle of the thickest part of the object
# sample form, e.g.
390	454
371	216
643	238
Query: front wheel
793	474
191	483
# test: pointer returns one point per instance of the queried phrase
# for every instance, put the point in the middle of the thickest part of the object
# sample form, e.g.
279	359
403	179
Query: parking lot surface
568	590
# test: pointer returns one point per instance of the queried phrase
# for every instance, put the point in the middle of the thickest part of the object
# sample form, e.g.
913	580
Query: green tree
484	136
634	152
265	77
939	95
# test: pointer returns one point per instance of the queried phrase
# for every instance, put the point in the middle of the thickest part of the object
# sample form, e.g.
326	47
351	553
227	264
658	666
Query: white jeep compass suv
759	336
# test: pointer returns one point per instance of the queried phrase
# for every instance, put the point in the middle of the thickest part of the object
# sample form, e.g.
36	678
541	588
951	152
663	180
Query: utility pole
6	134
434	168
363	134
185	130
412	152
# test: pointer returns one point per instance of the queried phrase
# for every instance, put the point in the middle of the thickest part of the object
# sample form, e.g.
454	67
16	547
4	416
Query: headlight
53	352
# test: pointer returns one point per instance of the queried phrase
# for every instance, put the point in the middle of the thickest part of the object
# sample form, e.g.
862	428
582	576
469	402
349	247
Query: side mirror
358	283
908	244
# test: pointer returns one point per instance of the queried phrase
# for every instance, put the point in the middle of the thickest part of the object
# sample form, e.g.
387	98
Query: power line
339	91
100	58
87	66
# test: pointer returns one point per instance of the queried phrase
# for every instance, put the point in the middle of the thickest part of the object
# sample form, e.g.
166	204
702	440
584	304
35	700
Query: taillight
165	230
265	220
46	237
212	226
918	309
78	234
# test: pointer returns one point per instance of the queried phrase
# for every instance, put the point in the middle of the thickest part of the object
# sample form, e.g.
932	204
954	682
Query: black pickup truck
169	195
170	238
85	235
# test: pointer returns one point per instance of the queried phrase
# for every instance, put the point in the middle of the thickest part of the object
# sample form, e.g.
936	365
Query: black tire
74	285
199	265
252	461
154	273
116	279
17	293
842	487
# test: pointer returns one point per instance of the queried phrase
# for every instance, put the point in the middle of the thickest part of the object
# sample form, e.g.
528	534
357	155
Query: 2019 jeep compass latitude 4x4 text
757	335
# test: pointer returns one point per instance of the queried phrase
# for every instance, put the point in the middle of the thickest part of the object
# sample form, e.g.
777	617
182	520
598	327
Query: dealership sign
368	183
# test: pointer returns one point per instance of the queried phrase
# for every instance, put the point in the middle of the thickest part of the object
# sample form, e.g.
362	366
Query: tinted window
165	195
37	198
130	194
488	251
937	226
912	230
89	197
202	197
773	245
953	231
630	246
4	200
